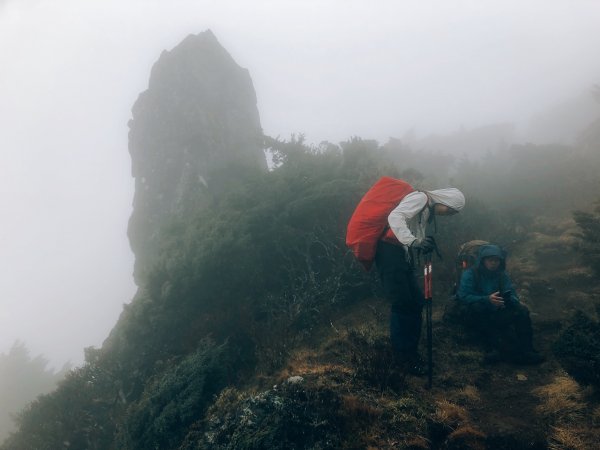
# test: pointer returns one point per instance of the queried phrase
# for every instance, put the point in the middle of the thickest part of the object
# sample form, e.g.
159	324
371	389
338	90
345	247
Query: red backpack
369	222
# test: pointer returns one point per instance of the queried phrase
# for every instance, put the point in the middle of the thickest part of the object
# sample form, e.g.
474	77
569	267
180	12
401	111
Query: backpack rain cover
370	218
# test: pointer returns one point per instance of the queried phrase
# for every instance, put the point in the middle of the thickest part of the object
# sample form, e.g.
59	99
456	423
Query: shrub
79	414
288	416
174	400
578	349
589	223
374	360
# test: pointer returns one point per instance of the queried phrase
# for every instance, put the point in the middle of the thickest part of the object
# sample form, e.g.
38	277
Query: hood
450	197
491	250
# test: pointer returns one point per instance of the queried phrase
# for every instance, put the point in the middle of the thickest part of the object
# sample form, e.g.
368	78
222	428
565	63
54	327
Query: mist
70	72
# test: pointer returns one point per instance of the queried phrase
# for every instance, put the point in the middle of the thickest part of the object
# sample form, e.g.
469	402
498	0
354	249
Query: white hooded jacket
408	221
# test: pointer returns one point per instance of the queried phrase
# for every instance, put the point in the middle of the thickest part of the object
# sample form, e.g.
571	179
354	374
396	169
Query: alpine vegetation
255	326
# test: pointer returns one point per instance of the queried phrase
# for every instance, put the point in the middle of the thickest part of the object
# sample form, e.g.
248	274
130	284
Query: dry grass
552	225
568	239
414	443
581	301
407	413
574	276
450	414
542	240
523	266
356	408
305	362
566	439
467	437
596	416
314	369
562	400
468	356
468	395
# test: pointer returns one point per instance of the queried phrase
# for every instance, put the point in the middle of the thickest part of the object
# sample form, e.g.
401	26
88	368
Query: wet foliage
589	223
174	400
374	360
261	272
22	379
578	349
287	416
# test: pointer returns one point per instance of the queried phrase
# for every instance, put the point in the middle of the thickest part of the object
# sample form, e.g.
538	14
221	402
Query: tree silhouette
22	379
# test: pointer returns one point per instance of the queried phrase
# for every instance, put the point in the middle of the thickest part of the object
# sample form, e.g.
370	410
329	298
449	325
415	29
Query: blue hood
491	250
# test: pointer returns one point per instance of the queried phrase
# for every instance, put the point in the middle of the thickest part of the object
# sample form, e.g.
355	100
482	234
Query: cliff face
197	116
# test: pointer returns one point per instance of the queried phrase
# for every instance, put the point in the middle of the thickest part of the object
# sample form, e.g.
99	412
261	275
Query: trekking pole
428	314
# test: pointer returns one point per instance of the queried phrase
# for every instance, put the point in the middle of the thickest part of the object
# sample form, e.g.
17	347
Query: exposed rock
197	117
295	380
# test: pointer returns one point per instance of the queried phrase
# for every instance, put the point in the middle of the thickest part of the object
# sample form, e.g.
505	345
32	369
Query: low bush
578	349
288	416
373	359
174	401
589	223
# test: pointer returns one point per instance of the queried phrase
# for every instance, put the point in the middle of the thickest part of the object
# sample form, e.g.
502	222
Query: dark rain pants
402	290
508	329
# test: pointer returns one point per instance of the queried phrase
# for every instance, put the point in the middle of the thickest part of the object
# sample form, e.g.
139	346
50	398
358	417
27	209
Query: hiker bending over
396	266
490	307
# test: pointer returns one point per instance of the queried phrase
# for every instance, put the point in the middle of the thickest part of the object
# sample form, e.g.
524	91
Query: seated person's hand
496	300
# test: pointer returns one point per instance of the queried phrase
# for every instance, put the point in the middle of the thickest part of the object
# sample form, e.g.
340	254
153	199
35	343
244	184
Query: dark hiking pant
401	289
507	329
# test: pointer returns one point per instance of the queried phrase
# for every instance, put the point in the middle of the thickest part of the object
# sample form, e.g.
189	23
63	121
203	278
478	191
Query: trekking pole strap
436	248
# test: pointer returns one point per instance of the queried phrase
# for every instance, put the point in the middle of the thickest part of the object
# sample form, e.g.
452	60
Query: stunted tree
22	379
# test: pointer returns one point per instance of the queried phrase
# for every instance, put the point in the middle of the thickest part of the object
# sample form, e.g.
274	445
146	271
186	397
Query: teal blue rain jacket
478	283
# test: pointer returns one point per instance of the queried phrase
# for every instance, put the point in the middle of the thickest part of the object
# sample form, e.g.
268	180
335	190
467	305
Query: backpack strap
431	214
476	279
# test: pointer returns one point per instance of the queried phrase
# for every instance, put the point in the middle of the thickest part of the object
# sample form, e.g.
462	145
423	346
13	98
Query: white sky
70	70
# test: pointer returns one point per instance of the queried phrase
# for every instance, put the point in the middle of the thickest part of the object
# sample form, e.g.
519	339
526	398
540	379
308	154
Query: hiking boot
529	358
492	357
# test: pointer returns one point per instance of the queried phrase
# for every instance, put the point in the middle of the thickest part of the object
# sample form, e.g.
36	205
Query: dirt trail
471	405
506	404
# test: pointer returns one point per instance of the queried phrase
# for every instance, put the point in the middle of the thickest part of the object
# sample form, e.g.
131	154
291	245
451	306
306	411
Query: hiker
395	263
490	306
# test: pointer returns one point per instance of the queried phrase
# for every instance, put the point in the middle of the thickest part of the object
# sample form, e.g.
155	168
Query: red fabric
370	218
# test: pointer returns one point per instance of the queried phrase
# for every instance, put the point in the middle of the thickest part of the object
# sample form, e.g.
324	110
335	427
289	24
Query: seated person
490	307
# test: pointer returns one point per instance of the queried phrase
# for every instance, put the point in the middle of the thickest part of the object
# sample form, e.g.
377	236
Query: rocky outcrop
197	116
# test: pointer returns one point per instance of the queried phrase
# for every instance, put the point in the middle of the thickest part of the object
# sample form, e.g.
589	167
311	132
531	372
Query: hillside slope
254	328
343	390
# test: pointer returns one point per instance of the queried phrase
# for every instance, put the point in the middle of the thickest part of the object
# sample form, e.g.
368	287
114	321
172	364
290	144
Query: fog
70	72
